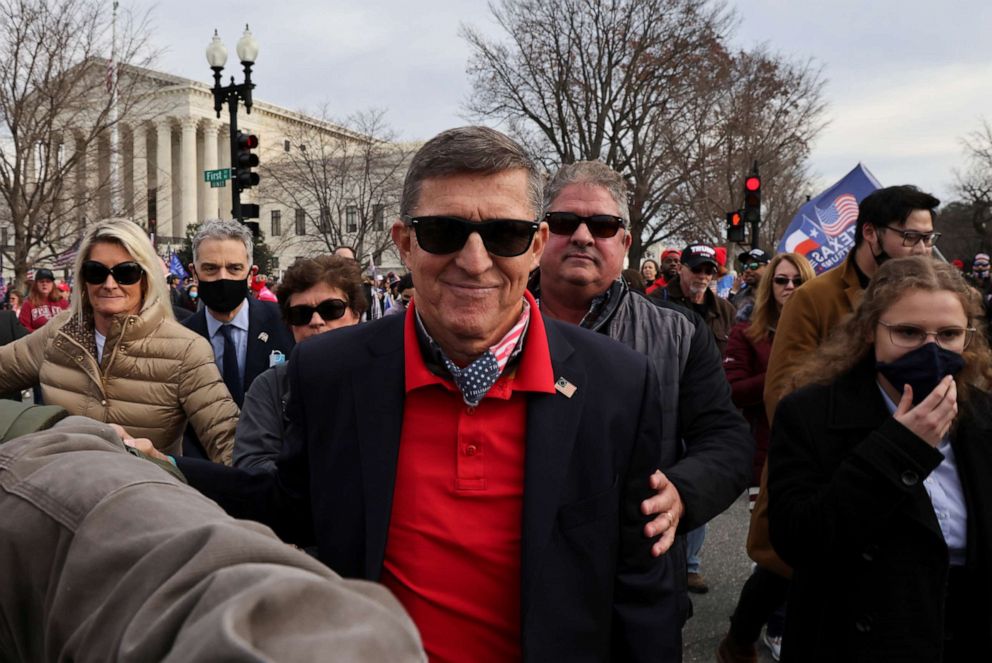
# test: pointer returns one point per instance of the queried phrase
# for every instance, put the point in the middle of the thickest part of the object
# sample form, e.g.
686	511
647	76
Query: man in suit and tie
485	464
243	331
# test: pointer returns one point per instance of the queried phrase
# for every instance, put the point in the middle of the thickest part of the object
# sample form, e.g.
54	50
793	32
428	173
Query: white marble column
139	172
188	175
163	177
211	194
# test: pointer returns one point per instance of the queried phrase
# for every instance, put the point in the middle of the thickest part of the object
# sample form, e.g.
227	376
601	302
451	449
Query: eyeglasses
753	266
912	237
785	280
125	273
911	336
442	235
329	309
704	269
602	226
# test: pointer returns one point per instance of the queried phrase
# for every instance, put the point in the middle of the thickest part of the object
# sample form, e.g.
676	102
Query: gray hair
469	150
224	229
132	238
592	173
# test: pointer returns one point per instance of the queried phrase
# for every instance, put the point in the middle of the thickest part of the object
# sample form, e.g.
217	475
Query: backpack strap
17	419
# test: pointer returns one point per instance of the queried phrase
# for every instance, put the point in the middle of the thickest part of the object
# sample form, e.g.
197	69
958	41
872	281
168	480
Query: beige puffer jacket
155	375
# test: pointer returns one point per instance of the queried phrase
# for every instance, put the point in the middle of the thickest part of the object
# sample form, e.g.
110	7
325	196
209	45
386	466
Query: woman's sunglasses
442	235
329	309
124	273
785	280
602	226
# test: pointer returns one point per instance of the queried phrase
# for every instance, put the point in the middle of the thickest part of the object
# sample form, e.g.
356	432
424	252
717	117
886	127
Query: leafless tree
57	106
650	88
343	182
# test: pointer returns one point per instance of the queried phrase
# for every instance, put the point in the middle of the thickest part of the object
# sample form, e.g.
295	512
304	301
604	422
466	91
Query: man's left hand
667	507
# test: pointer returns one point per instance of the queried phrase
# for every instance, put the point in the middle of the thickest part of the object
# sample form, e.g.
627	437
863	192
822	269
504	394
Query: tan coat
155	375
810	314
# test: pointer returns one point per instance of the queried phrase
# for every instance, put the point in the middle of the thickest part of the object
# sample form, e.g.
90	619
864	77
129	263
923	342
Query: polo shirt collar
532	370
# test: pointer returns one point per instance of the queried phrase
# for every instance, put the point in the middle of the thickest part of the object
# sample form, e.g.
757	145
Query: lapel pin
264	337
565	388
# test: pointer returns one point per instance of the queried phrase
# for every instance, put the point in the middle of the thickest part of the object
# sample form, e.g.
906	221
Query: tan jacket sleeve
796	336
20	361
207	402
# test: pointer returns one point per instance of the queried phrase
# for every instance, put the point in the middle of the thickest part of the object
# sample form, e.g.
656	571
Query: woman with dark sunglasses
315	296
748	349
878	478
118	355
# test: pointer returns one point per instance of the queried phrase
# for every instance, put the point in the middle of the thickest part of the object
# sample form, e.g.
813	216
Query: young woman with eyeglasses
315	296
748	349
878	483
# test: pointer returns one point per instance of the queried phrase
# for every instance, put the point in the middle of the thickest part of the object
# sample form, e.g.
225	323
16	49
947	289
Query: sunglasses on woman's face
785	280
124	273
441	235
329	309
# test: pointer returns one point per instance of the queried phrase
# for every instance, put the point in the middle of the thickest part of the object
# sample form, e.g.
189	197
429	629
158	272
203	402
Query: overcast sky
905	80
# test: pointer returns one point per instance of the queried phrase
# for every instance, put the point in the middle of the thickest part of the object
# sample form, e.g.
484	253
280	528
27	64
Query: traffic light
752	198
244	161
735	227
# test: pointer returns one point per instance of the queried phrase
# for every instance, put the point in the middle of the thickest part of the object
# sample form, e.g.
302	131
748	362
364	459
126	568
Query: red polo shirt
453	547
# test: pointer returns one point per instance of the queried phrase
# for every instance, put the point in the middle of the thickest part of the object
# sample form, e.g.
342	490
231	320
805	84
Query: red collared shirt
453	547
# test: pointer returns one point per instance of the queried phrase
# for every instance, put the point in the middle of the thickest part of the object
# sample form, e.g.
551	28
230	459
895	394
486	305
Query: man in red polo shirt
485	464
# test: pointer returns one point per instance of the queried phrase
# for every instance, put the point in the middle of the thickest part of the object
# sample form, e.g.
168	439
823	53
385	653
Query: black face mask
223	295
922	369
882	255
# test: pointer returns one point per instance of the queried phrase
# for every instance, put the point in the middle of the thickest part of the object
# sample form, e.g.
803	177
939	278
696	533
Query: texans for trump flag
823	230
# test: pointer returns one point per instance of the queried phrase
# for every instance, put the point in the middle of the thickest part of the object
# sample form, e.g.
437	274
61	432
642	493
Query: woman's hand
932	418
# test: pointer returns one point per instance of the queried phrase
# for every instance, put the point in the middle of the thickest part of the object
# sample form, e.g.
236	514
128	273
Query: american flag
836	218
65	259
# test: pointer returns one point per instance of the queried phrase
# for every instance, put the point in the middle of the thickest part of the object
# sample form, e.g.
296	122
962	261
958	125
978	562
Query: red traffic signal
244	160
734	219
752	183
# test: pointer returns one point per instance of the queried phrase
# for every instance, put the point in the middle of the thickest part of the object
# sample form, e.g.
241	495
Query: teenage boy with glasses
894	222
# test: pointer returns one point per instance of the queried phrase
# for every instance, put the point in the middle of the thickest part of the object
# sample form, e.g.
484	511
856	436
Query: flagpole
115	138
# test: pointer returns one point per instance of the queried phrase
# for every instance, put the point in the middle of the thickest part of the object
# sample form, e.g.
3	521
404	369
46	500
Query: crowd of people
519	439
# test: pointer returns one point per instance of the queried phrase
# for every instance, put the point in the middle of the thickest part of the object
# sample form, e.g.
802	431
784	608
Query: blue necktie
232	376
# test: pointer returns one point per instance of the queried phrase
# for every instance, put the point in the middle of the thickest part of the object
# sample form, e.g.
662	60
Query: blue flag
823	229
176	267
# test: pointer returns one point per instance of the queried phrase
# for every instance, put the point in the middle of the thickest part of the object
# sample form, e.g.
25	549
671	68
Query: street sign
217	184
217	177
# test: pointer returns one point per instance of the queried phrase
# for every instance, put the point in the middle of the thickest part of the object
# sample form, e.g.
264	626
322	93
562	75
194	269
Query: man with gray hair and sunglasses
579	282
485	464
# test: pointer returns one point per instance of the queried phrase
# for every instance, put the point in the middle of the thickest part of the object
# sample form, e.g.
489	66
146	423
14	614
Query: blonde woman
118	355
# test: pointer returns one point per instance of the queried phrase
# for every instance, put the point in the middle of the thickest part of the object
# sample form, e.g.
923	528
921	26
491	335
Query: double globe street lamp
242	160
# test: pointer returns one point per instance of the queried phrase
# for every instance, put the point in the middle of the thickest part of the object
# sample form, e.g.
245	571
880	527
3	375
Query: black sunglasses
602	226
329	309
125	273
784	280
442	235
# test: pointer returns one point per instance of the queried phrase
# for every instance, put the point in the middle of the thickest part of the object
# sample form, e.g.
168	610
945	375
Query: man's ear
400	233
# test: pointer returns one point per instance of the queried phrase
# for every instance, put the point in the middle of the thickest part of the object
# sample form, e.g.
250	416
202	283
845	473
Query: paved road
725	566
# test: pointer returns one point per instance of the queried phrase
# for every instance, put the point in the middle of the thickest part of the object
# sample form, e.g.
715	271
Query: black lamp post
217	57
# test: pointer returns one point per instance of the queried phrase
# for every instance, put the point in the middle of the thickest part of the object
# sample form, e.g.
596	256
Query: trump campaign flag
176	266
823	229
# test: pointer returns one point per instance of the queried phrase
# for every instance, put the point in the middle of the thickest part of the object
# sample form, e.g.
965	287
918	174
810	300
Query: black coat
590	591
266	332
849	512
10	331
